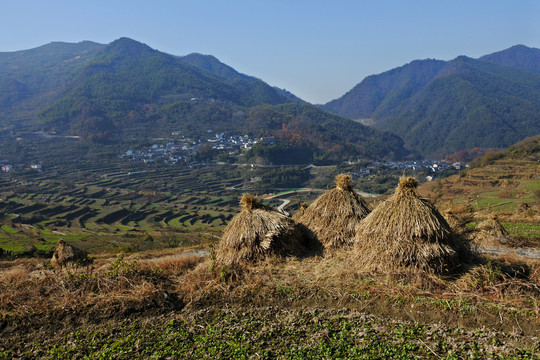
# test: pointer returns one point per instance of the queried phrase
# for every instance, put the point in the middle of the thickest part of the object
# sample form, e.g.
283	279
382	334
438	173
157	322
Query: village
186	150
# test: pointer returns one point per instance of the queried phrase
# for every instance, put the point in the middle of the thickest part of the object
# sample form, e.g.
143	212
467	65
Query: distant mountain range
440	107
126	90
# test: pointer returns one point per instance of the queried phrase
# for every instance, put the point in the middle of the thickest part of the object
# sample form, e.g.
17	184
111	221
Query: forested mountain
30	78
128	90
519	56
248	83
440	107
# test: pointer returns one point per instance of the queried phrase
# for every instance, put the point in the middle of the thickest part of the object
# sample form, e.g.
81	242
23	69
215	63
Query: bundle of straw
256	232
406	231
333	217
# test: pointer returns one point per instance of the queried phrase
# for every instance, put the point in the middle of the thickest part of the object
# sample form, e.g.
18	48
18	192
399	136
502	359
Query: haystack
256	232
406	231
492	232
65	254
303	207
334	216
457	224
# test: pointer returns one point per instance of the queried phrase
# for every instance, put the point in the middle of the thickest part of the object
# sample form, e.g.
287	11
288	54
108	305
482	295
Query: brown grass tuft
333	216
491	232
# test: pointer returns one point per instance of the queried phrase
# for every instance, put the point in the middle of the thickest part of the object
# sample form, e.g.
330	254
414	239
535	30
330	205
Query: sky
316	49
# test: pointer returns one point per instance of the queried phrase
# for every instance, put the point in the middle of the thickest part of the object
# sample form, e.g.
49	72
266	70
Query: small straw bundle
405	231
333	217
456	224
256	232
65	254
492	231
303	207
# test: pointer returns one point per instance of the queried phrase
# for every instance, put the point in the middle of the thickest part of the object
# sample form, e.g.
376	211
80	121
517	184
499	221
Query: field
508	188
153	291
156	209
116	212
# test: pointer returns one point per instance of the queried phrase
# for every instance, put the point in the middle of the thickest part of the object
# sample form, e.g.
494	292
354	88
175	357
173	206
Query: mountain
518	56
126	90
248	83
440	107
386	89
36	77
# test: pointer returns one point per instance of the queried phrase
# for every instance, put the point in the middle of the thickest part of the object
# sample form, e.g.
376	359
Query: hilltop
440	107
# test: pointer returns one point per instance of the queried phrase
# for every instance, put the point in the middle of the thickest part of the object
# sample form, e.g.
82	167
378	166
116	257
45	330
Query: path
281	208
527	253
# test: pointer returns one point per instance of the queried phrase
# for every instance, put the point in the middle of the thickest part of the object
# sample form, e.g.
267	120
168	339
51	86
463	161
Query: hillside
127	90
506	183
440	107
36	77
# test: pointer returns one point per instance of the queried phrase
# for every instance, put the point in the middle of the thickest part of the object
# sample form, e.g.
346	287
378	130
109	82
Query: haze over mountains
440	107
126	89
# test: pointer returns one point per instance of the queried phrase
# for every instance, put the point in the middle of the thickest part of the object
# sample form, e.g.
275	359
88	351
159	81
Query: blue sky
316	49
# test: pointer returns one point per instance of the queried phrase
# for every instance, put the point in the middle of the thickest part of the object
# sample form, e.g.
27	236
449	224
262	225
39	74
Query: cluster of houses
7	168
426	165
184	150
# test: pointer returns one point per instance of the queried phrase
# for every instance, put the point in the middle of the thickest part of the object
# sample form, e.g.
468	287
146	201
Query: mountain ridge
439	107
126	89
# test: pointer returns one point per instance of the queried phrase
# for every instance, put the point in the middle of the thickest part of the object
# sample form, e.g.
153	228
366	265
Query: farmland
153	291
107	204
117	212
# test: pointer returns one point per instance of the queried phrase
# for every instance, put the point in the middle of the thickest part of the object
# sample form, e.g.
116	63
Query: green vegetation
503	183
442	107
126	90
312	334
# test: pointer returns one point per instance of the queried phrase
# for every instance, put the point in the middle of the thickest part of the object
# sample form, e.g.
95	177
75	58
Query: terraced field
509	188
104	212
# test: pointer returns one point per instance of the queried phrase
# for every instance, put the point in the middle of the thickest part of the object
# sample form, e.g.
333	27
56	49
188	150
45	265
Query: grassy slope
506	183
159	306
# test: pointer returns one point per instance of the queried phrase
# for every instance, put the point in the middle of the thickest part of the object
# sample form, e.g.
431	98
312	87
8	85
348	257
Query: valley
139	159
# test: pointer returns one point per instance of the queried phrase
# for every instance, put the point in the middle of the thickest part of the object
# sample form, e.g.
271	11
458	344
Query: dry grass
172	264
457	223
117	285
333	217
258	231
407	231
479	293
30	287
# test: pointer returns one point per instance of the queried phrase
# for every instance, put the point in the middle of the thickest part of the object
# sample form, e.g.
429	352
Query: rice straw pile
65	254
256	232
333	217
491	231
406	231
